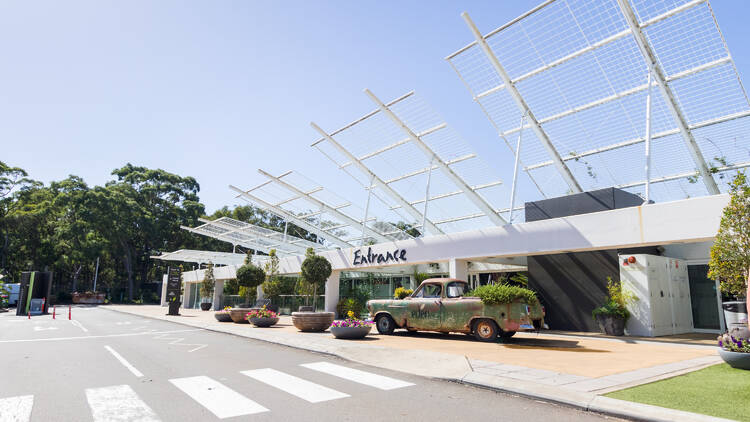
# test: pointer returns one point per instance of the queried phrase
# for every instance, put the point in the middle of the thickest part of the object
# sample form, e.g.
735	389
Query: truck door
455	312
425	307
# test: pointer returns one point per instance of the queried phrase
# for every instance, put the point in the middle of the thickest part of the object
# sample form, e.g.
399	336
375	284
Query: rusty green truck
439	305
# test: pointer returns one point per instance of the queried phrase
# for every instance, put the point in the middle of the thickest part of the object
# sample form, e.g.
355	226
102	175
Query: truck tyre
385	324
486	330
507	334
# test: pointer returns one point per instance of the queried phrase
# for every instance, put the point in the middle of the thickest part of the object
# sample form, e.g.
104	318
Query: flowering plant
261	313
352	321
734	344
225	310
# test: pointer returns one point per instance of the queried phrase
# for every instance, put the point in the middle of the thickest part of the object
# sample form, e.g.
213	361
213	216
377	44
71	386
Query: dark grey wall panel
581	203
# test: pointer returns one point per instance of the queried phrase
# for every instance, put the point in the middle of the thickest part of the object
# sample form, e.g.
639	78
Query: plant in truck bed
502	293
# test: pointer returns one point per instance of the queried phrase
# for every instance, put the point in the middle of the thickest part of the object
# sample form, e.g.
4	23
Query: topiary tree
315	271
730	253
250	276
209	281
272	285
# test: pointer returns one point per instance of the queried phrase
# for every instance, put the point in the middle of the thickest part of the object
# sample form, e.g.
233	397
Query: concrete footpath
568	369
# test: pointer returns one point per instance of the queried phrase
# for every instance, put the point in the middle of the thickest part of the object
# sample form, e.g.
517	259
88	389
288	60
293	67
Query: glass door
703	297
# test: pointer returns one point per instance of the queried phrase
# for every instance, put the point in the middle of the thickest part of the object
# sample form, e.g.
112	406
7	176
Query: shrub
250	276
231	287
209	281
401	293
64	297
349	304
502	293
617	301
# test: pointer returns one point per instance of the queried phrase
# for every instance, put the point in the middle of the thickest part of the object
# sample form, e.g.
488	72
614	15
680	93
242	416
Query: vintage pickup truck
439	304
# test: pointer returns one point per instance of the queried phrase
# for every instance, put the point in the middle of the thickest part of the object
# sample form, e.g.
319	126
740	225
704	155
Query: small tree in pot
248	276
207	287
272	286
730	253
613	315
315	271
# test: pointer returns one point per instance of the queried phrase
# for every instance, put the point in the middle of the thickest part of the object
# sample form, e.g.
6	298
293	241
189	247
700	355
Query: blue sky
217	89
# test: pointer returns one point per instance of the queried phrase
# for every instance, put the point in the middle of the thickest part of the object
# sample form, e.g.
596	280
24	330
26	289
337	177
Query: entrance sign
174	284
378	258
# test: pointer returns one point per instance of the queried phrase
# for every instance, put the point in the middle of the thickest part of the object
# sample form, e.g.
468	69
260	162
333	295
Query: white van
14	290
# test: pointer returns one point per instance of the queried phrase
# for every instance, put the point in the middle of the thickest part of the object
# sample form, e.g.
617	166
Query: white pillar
332	291
259	293
218	294
458	268
186	294
164	279
413	282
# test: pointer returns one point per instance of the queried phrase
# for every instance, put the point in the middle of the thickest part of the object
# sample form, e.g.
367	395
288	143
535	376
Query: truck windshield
429	290
456	289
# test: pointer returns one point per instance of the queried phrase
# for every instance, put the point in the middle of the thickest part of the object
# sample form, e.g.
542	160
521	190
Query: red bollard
29	314
54	310
69	311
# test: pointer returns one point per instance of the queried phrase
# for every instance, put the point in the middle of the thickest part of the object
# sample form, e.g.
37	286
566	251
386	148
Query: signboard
174	284
371	257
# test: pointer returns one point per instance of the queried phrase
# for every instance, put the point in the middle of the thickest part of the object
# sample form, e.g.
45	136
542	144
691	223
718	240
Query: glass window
456	289
429	290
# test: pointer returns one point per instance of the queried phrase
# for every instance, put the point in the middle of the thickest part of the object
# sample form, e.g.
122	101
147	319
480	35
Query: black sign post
174	286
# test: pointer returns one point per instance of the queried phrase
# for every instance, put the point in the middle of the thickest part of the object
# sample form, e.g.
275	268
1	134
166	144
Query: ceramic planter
205	306
735	359
263	322
351	333
611	325
239	315
222	316
312	321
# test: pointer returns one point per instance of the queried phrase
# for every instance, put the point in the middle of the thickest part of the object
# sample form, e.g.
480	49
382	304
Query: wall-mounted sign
378	258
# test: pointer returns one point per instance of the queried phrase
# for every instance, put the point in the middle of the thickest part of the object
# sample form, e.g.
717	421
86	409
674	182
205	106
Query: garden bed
718	390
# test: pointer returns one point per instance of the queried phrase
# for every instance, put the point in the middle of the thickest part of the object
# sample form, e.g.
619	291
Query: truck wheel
385	324
507	334
485	330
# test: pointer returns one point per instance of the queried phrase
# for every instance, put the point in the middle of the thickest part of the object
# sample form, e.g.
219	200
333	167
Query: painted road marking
44	329
303	389
221	400
124	363
355	375
118	403
16	409
79	325
102	336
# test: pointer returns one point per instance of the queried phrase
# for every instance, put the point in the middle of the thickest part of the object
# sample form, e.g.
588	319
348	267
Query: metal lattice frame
202	257
409	158
251	236
581	67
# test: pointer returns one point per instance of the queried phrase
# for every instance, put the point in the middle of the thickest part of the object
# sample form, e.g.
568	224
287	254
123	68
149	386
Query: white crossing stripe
118	403
355	375
221	400
303	389
16	409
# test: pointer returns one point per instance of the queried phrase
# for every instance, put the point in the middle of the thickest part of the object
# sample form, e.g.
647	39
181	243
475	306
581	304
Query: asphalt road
108	366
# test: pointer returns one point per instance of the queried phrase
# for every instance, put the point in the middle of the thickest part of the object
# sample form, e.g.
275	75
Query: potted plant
250	277
347	305
351	327
735	351
207	287
272	286
612	316
262	317
401	293
223	315
174	306
730	256
315	271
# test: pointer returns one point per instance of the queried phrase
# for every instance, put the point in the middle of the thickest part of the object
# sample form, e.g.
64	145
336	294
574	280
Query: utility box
34	285
663	290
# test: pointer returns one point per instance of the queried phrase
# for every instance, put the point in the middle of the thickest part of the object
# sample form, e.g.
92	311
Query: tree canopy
730	253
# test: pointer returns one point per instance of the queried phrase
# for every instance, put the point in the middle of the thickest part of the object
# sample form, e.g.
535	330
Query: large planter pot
735	313
239	315
611	325
350	333
312	321
205	306
174	308
222	316
263	322
735	359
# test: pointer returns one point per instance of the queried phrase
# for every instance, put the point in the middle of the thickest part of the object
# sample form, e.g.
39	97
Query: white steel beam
430	168
252	245
685	175
293	218
393	145
252	230
460	183
379	182
562	168
341	216
666	91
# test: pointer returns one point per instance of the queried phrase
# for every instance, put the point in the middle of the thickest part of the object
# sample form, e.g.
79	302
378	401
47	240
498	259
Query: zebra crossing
120	403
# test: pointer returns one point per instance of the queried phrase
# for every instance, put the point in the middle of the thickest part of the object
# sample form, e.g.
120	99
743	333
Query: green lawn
718	390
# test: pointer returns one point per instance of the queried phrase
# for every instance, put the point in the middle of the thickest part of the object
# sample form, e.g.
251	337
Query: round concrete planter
222	316
205	306
735	359
611	325
351	333
263	322
239	315
312	321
